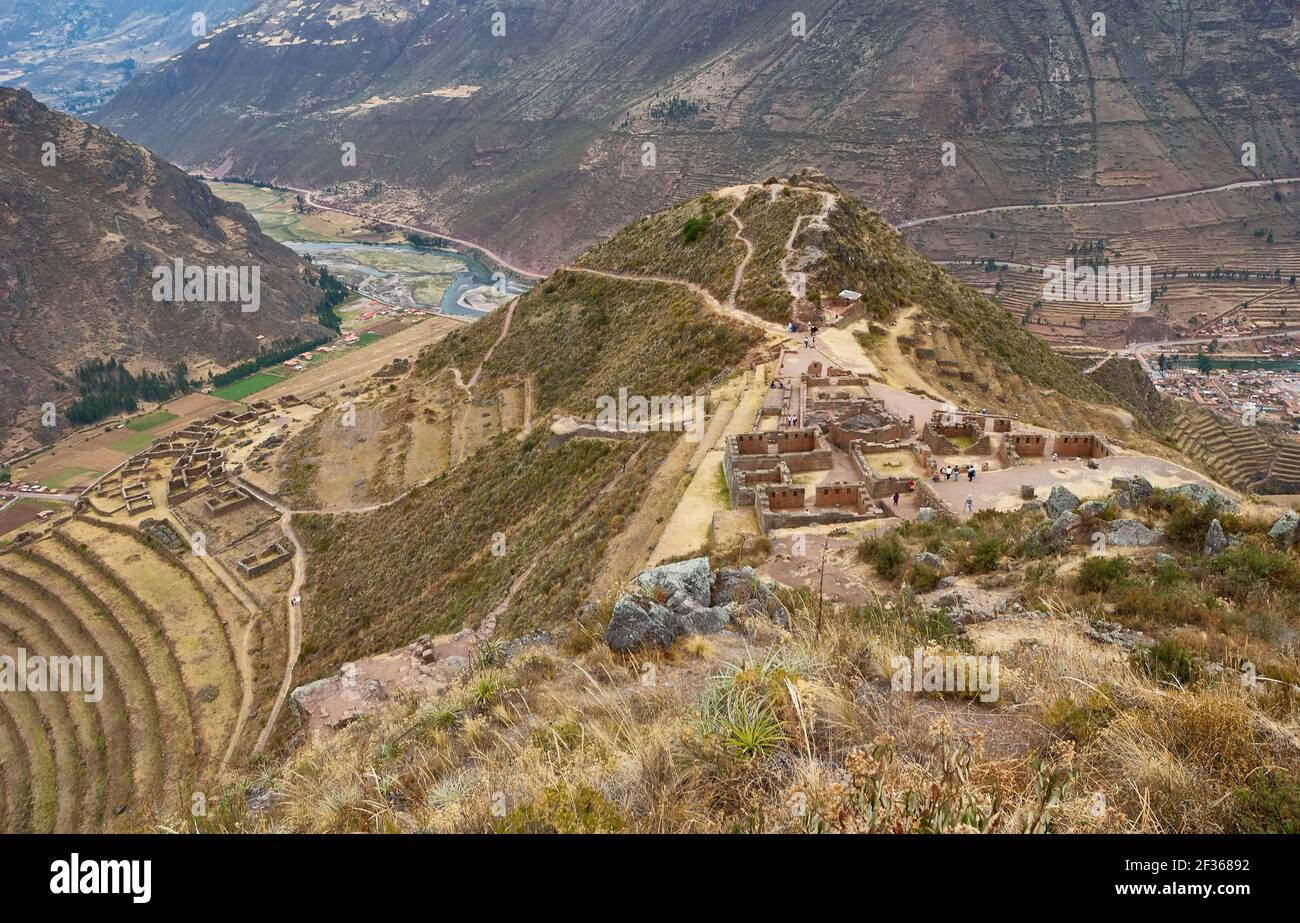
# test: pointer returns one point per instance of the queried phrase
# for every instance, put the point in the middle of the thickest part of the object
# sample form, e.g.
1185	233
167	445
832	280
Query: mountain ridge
91	230
573	93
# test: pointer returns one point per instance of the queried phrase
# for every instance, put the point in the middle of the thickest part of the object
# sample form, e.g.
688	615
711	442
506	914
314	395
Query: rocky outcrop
1216	540
1139	489
1064	524
639	623
691	577
931	560
742	588
1200	494
1129	533
1283	532
695	601
1060	500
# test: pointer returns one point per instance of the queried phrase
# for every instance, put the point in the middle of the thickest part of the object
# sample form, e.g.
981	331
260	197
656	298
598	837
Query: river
473	273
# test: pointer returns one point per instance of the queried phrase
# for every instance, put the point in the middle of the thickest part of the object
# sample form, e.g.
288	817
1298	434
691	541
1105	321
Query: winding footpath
293	605
1164	197
294	596
728	308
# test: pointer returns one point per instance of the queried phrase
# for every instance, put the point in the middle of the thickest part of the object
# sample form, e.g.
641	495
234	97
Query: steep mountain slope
515	123
522	527
75	54
80	242
1116	678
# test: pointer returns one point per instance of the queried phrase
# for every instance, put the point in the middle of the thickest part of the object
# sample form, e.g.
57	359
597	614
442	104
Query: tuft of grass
1167	661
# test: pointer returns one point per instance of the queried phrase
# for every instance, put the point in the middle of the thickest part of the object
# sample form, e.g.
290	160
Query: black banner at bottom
333	873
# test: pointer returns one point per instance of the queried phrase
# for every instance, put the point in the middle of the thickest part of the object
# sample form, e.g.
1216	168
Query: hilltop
82	237
637	312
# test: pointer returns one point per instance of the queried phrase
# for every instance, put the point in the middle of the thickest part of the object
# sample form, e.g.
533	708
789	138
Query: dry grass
777	731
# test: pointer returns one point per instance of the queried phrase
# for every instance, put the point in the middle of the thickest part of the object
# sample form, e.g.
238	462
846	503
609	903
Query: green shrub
561	810
1268	803
923	579
751	728
986	554
1080	721
1168	661
695	228
886	554
1099	574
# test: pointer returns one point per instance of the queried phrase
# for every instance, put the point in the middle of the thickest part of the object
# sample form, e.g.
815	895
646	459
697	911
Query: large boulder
1139	489
735	584
1129	533
931	560
692	577
926	515
639	623
742	588
1059	501
1093	508
1200	494
694	619
1283	531
1064	524
1215	539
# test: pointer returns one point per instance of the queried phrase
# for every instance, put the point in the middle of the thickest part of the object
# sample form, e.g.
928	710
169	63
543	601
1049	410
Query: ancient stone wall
1080	445
1027	445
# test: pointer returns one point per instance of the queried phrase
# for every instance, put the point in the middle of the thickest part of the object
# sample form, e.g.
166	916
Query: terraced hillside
1238	455
1233	252
522	524
178	690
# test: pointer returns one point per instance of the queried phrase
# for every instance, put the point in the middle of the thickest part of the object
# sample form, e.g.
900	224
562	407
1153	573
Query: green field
273	210
406	262
250	384
150	421
69	474
133	443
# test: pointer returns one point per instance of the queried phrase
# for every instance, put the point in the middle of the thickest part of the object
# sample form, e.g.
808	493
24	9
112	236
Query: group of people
953	473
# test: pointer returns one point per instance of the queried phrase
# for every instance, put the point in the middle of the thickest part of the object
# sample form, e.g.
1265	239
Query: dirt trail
293	607
294	602
793	281
468	386
998	209
749	247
